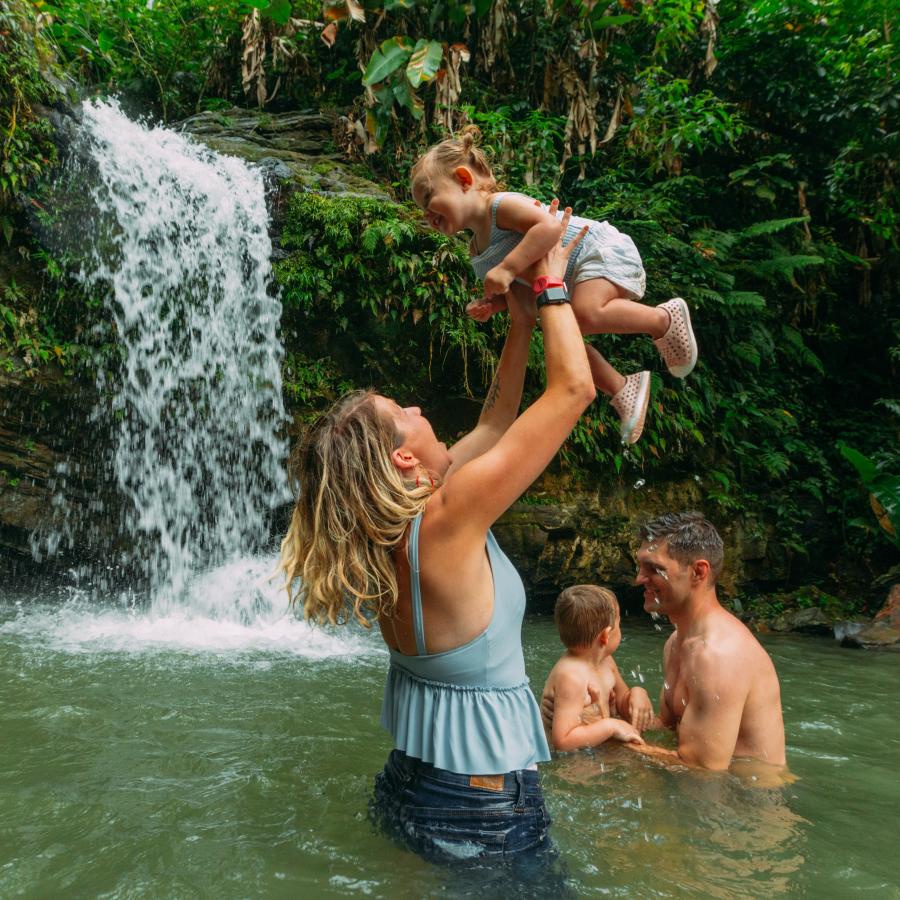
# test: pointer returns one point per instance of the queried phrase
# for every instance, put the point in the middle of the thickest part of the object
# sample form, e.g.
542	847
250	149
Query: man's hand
640	708
498	280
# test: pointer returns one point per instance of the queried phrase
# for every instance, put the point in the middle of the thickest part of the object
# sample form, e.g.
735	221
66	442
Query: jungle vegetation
751	150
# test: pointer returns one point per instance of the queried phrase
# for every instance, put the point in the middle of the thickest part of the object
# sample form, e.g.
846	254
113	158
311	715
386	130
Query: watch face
552	295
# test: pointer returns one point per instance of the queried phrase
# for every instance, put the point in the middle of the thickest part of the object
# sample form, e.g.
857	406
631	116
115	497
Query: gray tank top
502	241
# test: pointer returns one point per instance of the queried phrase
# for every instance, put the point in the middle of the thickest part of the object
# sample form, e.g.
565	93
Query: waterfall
183	260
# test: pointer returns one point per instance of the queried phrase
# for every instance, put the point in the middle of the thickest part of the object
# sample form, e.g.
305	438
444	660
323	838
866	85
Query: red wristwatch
545	281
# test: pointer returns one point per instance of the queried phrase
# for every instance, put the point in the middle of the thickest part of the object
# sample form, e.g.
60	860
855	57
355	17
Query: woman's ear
464	176
403	460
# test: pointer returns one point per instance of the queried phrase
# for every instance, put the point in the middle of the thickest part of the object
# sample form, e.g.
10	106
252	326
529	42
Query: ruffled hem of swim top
463	729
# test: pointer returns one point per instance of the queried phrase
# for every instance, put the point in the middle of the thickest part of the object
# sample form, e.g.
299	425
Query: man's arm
708	731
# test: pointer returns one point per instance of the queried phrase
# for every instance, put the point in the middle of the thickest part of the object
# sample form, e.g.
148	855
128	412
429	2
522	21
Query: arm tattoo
492	394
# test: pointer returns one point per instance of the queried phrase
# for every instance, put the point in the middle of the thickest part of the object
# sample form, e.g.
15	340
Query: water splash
639	484
184	263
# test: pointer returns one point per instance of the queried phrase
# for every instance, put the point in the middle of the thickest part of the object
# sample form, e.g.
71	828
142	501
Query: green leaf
863	465
258	4
392	54
106	40
424	62
390	5
611	21
409	99
279	11
770	227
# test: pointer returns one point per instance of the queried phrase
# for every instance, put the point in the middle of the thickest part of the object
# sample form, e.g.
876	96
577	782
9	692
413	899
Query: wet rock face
296	149
883	633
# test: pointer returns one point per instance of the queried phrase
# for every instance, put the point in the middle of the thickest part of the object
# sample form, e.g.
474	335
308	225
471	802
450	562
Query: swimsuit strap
494	204
415	589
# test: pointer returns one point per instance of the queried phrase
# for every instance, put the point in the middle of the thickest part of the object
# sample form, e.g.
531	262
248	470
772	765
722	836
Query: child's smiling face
443	200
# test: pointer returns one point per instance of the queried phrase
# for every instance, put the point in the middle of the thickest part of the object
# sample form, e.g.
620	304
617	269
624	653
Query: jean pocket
457	835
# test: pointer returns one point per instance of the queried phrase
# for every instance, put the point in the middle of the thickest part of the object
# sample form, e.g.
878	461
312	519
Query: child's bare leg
606	378
600	309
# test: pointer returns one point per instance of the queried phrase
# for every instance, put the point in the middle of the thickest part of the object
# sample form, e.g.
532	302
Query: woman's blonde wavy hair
352	512
443	158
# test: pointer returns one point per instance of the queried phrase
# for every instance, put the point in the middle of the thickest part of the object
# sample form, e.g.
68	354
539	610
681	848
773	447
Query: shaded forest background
750	151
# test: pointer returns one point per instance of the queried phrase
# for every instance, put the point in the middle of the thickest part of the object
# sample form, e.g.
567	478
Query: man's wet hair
689	536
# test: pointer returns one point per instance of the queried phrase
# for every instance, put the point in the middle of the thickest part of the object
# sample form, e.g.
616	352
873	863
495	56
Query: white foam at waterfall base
182	254
236	607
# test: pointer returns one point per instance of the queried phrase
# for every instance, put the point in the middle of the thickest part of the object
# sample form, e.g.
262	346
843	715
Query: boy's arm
633	703
568	731
541	232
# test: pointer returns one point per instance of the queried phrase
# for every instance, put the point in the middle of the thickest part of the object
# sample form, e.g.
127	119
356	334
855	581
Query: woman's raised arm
484	486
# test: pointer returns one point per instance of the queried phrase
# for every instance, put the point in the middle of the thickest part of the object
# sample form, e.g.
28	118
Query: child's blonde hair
582	612
443	158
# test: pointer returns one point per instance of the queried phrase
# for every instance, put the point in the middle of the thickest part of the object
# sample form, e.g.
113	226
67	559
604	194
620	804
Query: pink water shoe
631	405
677	346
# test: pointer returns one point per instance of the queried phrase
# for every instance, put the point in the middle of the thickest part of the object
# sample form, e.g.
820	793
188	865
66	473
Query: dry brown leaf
253	57
710	27
614	120
329	34
357	13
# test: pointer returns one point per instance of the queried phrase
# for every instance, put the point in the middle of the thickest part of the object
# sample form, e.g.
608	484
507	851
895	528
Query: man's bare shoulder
726	649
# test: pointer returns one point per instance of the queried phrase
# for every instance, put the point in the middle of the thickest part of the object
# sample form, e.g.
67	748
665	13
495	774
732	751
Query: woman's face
416	435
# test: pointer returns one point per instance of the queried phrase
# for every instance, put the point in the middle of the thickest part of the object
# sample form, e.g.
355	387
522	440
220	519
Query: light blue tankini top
467	710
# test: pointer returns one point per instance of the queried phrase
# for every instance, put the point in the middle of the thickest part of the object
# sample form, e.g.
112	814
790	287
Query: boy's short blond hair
582	612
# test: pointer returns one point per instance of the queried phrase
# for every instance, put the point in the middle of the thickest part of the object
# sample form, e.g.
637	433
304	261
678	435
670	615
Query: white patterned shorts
609	254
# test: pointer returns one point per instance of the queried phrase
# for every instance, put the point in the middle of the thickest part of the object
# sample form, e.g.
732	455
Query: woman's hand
556	261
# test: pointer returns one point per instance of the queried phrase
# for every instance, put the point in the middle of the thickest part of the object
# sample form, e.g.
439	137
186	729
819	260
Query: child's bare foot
677	346
631	405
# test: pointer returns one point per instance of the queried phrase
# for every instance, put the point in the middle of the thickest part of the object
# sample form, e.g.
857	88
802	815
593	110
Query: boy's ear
603	637
464	176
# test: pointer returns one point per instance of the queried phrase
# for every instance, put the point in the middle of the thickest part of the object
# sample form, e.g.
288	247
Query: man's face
666	582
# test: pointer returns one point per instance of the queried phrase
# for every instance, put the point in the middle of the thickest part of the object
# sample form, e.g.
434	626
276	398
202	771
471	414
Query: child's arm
569	732
633	703
541	231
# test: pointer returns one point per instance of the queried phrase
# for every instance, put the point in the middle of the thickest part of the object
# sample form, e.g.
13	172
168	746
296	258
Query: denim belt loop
520	799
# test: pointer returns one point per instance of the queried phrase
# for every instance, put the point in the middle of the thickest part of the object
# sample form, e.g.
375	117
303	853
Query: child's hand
498	280
626	733
482	310
640	708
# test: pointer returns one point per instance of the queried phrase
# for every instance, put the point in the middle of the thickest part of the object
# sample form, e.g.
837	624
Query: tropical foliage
751	151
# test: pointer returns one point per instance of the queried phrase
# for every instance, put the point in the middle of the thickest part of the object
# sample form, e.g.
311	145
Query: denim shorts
462	819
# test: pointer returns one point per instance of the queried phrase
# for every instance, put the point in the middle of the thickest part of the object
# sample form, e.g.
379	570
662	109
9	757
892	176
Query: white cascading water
183	255
198	452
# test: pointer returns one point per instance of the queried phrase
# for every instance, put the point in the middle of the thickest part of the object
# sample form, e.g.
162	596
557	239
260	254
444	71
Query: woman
392	523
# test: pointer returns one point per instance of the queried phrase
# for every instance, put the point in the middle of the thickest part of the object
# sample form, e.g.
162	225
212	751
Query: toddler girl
453	184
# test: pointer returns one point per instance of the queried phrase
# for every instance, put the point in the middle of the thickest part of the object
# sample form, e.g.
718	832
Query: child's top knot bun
470	137
460	150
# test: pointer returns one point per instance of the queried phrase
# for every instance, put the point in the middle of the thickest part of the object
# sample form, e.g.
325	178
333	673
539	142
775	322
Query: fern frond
772	226
787	265
745	299
794	342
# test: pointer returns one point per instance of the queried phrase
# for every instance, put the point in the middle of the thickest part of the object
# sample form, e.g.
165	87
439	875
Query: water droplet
717	698
658	627
697	479
666	685
663	574
640	678
683	702
654	615
639	484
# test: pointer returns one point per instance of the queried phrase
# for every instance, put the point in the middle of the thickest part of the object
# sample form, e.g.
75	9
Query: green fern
745	300
772	226
798	349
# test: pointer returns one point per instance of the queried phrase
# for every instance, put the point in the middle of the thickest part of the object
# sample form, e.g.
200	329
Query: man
720	689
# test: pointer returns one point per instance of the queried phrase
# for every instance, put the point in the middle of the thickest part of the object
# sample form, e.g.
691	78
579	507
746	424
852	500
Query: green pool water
200	758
